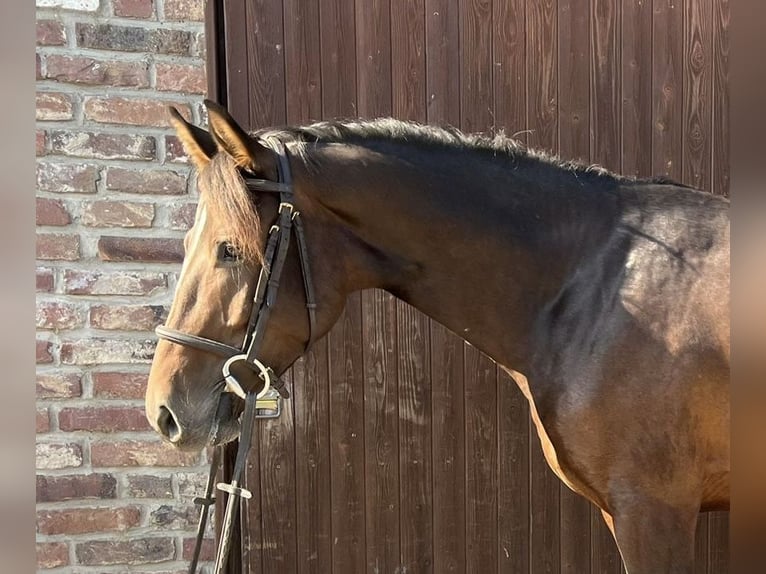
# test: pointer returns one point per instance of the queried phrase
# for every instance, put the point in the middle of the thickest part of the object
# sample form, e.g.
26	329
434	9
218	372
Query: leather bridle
288	221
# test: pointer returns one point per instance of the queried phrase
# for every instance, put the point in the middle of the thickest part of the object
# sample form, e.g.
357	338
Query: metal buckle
268	406
286	205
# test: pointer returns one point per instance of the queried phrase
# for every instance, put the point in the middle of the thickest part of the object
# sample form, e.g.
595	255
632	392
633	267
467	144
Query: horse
605	297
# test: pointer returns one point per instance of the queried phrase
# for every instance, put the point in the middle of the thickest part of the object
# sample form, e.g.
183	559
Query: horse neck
481	245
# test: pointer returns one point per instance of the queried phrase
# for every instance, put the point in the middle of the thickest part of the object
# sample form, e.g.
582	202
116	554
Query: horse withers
605	297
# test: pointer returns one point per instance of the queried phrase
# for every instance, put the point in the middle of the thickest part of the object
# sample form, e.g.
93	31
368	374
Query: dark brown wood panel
347	445
667	88
403	448
636	148
721	159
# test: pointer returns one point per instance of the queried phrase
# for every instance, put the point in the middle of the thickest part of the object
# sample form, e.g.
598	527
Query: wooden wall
404	449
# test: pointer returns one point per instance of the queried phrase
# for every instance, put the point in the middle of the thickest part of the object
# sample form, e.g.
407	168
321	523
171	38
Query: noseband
265	403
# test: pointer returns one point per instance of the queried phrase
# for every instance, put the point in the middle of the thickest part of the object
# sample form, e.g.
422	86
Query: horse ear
197	143
232	139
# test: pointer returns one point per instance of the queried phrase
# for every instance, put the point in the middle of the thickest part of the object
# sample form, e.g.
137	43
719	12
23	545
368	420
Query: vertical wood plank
701	544
448	450
415	482
605	83
266	63
250	518
302	61
278	493
721	155
667	81
346	427
698	118
381	431
542	74
373	53
312	461
408	74
476	93
718	532
237	70
513	532
509	66
481	461
574	54
338	58
443	61
637	88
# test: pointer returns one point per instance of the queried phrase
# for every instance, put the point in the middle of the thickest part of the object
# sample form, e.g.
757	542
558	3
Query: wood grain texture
337	31
701	545
346	437
381	432
480	461
718	535
605	83
721	159
667	90
265	63
698	118
476	105
302	61
542	74
237	76
509	53
574	55
513	524
442	61
312	461
448	448
415	428
278	490
636	147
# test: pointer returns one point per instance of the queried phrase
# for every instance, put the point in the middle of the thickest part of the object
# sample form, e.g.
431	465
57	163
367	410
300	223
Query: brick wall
113	201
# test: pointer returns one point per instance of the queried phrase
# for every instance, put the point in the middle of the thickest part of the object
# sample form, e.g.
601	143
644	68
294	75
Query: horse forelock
230	206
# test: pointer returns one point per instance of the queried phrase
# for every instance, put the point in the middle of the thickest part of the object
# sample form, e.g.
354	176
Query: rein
264	403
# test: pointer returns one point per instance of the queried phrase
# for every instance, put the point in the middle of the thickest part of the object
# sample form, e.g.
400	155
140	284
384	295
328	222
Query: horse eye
227	252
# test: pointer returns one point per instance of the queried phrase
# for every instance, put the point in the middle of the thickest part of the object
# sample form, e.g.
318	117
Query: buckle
269	405
286	205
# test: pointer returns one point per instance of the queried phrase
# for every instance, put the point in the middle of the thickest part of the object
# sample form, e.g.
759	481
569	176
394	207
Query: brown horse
608	297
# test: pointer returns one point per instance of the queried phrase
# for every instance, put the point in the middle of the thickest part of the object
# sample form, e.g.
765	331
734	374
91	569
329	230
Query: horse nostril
168	426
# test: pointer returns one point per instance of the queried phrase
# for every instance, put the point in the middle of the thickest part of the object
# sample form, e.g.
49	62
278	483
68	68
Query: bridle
265	402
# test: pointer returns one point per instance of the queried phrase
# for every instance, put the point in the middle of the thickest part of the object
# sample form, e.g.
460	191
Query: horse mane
228	200
427	137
